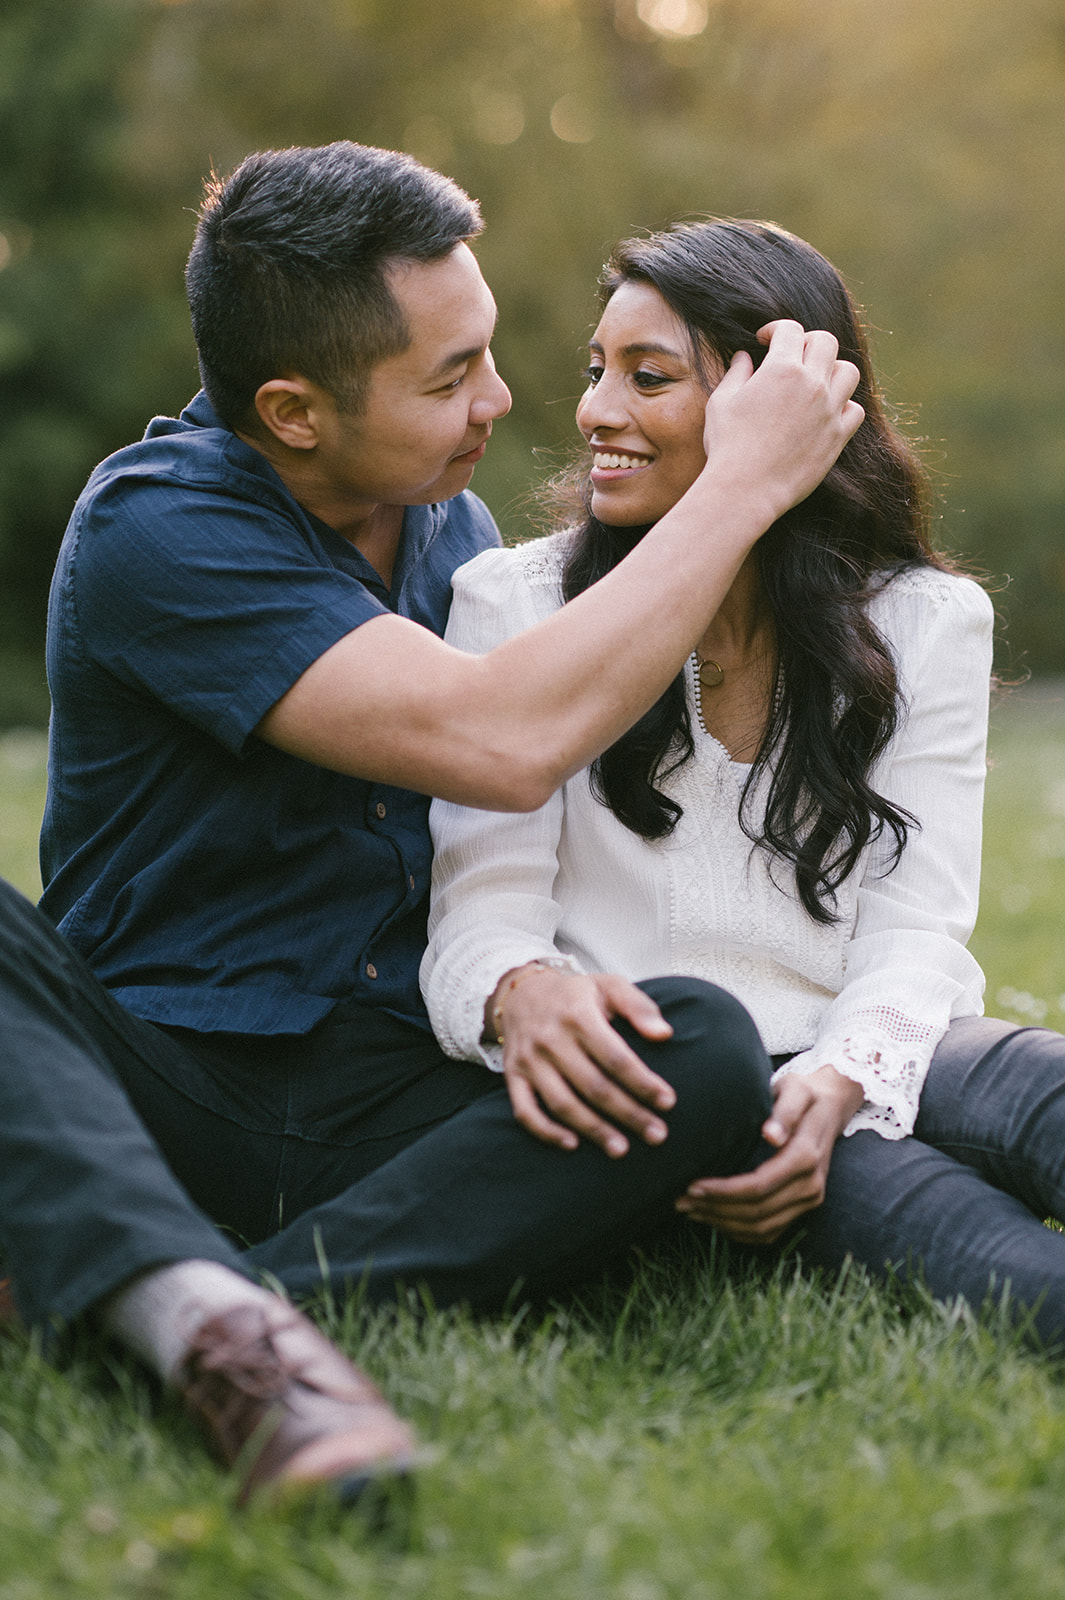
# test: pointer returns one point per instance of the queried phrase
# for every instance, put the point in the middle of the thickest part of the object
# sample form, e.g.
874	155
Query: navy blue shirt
211	880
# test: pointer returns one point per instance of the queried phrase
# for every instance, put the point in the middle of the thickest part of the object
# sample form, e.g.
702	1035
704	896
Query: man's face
429	411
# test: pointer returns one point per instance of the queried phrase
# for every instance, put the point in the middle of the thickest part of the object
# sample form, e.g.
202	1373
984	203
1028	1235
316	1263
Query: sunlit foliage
921	147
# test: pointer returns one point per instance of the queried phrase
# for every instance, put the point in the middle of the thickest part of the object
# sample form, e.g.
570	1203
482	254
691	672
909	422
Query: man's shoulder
184	494
191	454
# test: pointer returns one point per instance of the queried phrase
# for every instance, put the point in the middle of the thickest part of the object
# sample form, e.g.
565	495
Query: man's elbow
522	781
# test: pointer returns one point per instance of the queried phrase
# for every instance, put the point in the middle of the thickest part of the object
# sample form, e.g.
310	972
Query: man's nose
494	401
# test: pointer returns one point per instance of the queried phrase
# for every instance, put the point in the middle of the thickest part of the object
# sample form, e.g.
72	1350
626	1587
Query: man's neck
377	538
374	529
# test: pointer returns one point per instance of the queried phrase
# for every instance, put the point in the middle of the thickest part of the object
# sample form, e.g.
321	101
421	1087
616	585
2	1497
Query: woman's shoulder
503	592
920	596
537	564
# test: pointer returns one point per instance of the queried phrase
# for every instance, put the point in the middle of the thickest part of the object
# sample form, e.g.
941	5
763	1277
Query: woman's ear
288	409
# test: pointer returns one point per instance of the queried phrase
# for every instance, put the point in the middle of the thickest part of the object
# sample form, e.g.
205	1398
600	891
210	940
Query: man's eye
593	374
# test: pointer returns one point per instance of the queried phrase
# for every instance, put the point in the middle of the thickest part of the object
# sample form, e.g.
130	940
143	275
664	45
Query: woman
797	820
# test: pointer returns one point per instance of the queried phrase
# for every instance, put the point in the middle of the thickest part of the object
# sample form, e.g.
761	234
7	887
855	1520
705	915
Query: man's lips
471	457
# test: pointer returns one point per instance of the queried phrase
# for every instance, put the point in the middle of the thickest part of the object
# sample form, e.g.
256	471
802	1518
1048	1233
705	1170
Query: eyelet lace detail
887	1053
541	559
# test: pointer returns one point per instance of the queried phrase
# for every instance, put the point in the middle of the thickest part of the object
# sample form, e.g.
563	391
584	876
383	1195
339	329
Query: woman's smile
604	461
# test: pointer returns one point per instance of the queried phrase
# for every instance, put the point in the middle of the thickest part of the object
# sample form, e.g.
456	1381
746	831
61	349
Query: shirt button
410	880
371	970
382	809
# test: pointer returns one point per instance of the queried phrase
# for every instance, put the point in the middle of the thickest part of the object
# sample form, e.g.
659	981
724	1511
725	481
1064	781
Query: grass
705	1433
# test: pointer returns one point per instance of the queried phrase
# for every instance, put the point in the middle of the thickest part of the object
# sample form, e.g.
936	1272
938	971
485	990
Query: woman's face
642	413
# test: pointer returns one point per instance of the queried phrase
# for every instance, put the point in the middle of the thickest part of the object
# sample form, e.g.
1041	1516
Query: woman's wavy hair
836	700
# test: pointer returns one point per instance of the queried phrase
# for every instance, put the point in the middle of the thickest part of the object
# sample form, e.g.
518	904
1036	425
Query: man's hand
569	1073
808	1117
788	421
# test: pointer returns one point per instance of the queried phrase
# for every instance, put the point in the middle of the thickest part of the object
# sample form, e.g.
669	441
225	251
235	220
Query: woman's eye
649	380
593	374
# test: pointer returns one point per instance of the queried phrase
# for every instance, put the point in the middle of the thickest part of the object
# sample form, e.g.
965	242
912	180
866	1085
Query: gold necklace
710	675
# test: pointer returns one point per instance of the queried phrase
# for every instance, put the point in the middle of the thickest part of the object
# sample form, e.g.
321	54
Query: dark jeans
359	1152
962	1202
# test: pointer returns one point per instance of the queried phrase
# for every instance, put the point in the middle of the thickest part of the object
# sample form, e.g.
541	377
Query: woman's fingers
527	1112
544	1100
785	1179
624	999
577	1070
755	1207
792	1101
572	1086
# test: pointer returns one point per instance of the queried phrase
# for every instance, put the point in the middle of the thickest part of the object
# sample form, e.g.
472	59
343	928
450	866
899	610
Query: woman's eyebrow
641	349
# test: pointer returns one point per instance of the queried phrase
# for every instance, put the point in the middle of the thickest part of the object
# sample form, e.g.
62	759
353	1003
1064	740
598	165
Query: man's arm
392	702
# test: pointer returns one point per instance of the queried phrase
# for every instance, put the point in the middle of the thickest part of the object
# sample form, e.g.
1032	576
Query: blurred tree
85	291
920	147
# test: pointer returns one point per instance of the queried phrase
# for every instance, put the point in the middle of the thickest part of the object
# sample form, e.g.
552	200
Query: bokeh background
920	145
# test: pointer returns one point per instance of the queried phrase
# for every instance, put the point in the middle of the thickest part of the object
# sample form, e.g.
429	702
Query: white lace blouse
871	994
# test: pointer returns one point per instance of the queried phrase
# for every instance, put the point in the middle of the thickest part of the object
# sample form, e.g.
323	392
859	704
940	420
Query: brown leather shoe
281	1404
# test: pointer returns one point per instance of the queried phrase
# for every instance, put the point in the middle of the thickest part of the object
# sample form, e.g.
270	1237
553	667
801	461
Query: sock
156	1314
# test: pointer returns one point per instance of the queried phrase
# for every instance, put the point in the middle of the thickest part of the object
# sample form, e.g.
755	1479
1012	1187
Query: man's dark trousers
356	1154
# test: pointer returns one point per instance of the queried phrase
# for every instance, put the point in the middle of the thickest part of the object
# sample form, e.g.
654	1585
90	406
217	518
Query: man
251	705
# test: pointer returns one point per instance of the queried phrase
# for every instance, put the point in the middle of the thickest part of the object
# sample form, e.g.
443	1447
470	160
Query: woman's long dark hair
836	701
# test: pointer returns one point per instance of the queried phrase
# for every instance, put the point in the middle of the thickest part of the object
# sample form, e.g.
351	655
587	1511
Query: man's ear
288	409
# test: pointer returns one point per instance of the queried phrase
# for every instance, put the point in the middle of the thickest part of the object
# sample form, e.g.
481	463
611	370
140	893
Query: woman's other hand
809	1114
569	1073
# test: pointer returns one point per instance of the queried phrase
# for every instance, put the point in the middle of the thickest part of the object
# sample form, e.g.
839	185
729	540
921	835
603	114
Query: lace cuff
885	1051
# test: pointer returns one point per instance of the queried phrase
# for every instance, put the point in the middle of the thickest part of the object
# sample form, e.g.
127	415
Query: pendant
711	676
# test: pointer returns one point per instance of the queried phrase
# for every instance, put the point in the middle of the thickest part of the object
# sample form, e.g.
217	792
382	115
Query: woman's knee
715	1050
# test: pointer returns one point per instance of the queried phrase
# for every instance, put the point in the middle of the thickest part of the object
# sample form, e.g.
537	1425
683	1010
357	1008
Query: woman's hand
809	1114
569	1074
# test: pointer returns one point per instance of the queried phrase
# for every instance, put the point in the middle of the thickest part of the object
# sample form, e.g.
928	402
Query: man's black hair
288	270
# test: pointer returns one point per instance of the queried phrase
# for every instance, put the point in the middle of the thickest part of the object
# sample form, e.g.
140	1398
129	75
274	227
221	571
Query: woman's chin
611	510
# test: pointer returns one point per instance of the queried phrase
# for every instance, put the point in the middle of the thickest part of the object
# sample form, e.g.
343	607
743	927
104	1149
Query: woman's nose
601	406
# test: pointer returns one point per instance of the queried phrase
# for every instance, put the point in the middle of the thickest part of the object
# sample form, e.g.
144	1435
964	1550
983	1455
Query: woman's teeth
612	462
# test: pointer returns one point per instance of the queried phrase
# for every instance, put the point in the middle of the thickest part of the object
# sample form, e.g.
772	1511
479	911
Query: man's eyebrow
641	350
460	357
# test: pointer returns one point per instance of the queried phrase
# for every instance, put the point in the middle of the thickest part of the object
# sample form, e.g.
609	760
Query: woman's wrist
846	1092
494	1029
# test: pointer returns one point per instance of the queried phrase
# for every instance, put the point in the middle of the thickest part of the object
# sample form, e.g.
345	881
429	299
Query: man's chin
451	482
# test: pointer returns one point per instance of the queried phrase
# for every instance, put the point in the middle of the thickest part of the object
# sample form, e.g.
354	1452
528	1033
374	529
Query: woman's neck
741	631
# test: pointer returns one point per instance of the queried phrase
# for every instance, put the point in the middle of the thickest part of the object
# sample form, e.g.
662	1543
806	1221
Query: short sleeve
209	604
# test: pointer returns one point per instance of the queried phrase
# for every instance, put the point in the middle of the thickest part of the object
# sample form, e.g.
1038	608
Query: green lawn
704	1435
